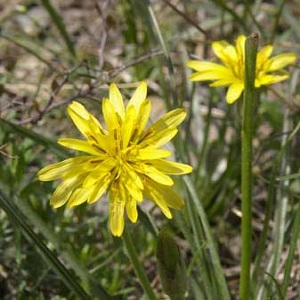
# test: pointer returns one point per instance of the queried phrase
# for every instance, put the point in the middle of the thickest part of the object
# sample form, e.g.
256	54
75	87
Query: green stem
137	265
247	132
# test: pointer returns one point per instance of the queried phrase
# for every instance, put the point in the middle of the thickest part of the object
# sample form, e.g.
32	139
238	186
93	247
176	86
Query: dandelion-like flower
123	158
231	72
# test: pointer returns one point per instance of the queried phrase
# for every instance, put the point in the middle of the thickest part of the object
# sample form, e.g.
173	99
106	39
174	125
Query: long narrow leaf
30	51
24	132
295	234
60	25
68	278
215	260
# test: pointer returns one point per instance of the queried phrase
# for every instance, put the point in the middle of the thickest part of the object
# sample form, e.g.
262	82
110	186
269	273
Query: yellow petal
154	174
128	126
62	193
133	190
79	196
240	46
280	61
263	55
78	109
205	66
116	210
96	144
58	170
170	167
110	116
141	121
130	172
139	96
170	198
57	202
80	145
131	210
80	120
234	92
99	171
116	99
149	154
84	168
169	121
211	75
103	143
224	81
159	139
208	71
153	195
84	121
132	182
270	79
224	51
100	188
133	187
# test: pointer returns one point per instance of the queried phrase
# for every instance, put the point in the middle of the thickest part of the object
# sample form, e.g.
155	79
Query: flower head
231	72
123	158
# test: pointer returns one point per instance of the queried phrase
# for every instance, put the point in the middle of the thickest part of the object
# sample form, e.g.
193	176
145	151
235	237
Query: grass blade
19	219
60	25
24	132
215	260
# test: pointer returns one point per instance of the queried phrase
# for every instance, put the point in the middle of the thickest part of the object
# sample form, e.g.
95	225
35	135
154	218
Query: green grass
72	52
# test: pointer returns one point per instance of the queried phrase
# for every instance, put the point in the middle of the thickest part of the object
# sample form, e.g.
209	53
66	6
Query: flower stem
247	132
137	265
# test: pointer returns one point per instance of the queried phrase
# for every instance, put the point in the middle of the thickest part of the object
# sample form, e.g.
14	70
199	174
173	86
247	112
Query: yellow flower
231	72
123	159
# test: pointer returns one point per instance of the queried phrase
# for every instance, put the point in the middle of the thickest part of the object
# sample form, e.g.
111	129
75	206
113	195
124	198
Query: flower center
121	157
121	161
